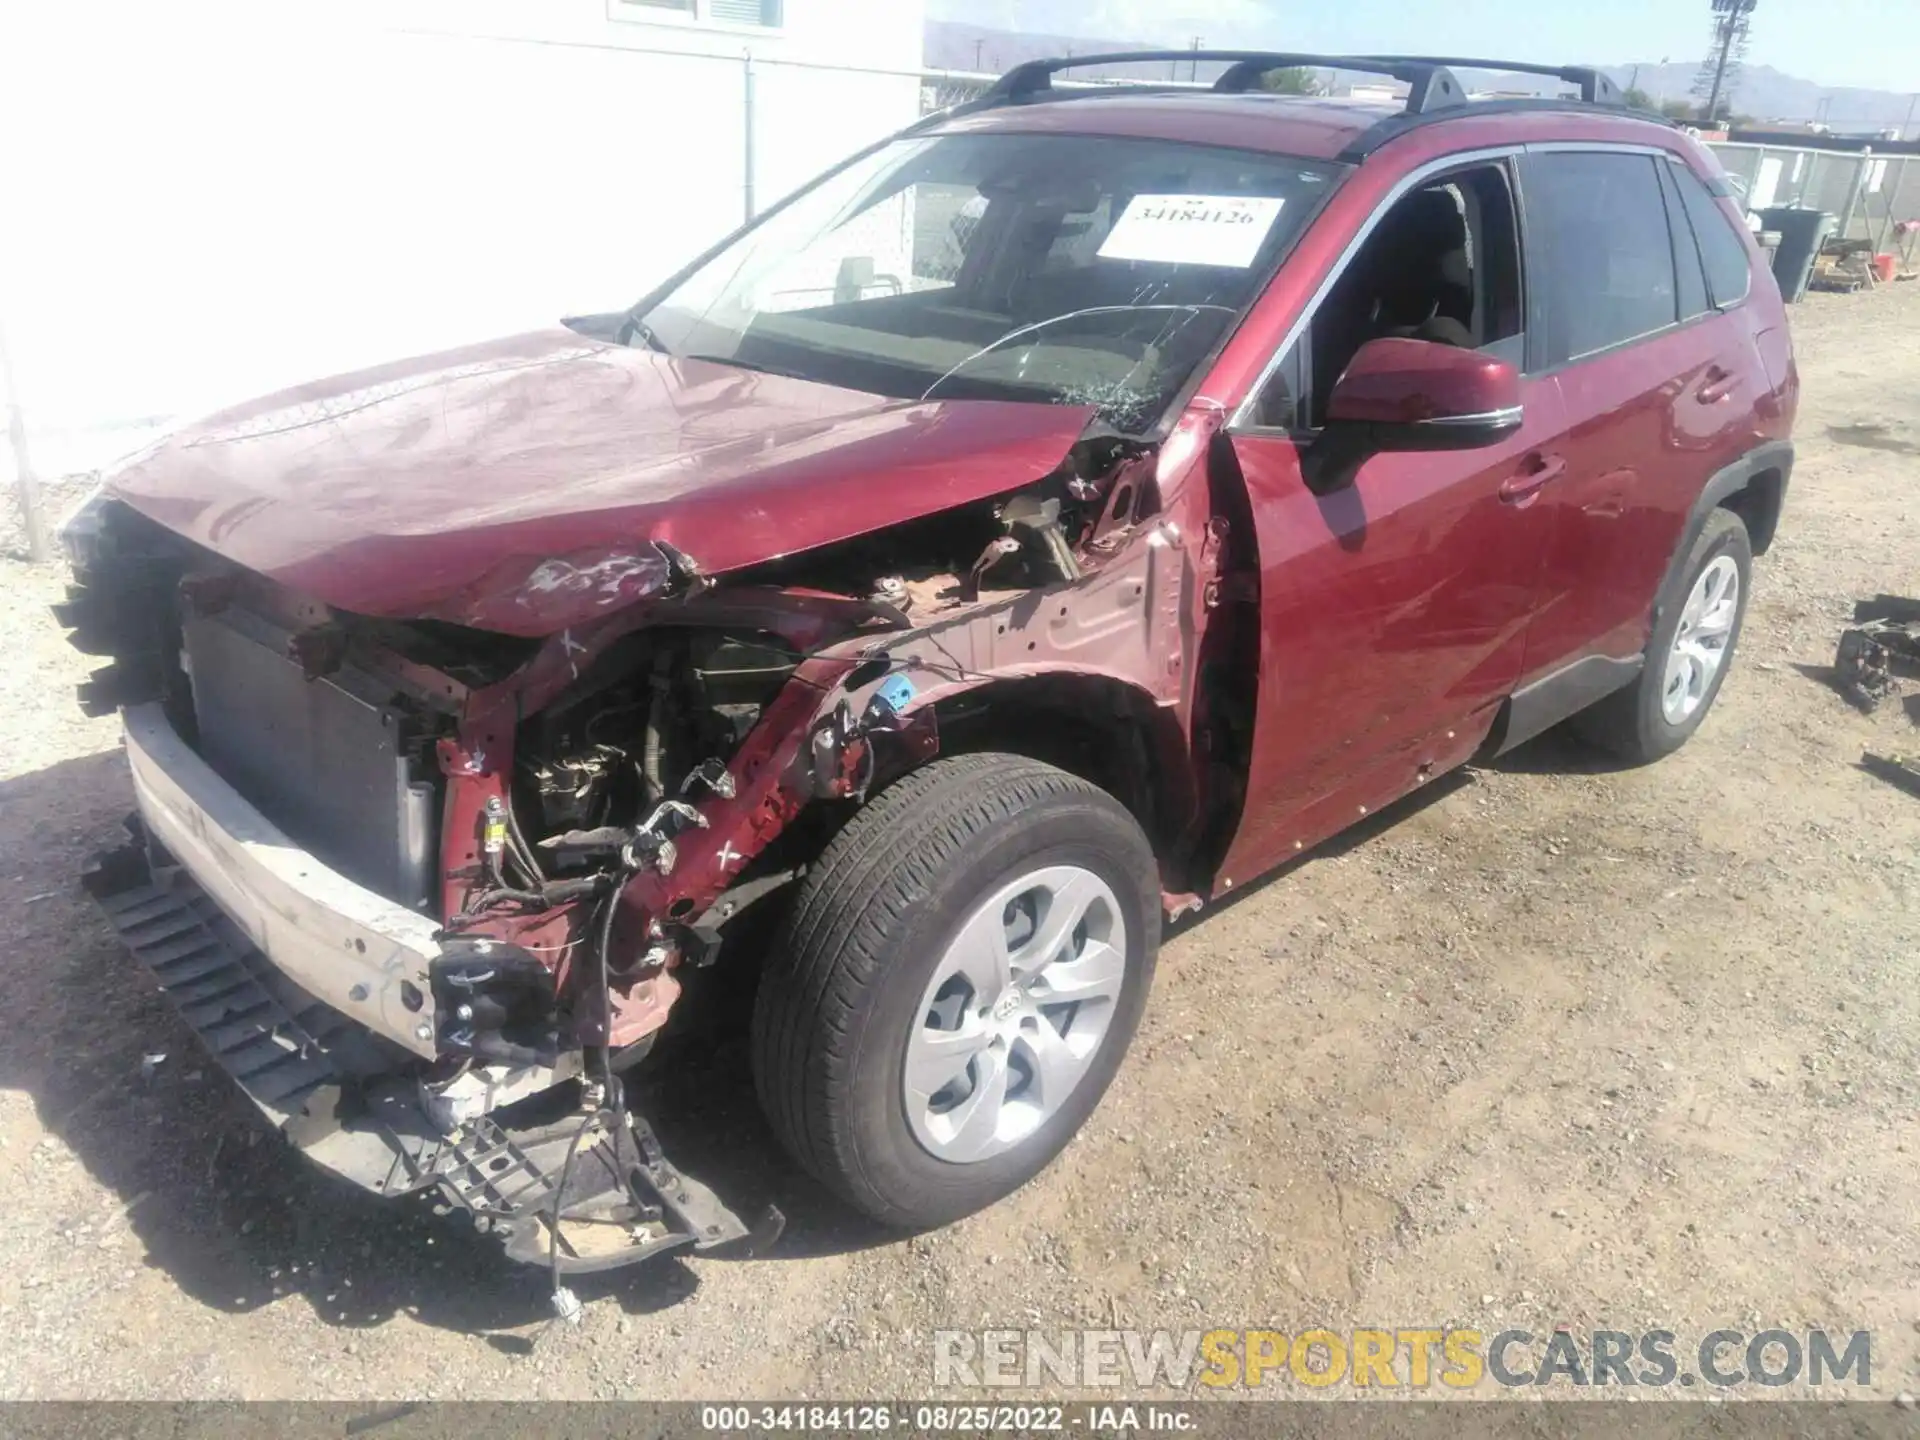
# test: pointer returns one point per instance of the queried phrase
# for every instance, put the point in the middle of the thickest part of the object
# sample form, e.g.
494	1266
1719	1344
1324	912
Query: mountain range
1760	91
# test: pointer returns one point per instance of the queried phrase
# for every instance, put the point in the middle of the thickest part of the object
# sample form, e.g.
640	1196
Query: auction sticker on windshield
1225	230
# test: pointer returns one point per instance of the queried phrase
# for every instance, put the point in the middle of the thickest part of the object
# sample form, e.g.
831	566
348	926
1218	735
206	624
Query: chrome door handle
1541	470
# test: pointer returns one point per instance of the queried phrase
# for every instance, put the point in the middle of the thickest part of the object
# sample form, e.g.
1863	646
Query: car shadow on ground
1559	752
233	1214
1352	838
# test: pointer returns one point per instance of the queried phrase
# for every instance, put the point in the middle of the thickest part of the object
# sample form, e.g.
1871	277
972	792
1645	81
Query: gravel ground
1561	1044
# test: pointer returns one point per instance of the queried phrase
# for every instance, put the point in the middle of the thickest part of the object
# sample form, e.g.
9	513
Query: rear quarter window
1689	272
1722	251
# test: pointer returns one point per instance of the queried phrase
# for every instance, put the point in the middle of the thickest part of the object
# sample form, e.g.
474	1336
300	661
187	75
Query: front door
1391	612
1394	611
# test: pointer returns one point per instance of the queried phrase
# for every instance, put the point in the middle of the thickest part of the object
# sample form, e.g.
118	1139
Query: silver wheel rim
1015	1013
1700	644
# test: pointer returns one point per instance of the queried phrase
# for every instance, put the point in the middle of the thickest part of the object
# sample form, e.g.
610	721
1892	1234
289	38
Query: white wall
209	199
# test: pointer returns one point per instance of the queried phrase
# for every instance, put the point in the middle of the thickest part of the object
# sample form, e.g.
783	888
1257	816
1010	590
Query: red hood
514	486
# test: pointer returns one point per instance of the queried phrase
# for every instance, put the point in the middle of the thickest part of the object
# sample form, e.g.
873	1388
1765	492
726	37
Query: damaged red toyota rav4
1049	520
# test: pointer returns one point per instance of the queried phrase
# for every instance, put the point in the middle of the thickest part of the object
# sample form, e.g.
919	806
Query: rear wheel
956	985
1688	654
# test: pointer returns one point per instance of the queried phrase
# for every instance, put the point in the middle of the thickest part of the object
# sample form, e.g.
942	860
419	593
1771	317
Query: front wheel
956	985
1688	654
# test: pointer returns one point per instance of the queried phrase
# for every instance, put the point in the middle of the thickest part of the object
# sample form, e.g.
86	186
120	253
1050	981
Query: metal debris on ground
1882	642
567	1308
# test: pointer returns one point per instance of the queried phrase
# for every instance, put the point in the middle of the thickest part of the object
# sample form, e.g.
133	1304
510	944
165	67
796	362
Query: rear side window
1721	249
1601	253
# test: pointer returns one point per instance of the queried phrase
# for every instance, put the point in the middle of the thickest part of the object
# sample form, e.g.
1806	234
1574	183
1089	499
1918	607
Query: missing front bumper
329	1085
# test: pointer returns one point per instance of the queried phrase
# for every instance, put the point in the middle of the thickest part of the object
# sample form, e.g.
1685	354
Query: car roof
1307	127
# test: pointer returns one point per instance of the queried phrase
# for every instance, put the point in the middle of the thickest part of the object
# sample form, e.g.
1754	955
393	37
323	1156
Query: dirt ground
1562	1044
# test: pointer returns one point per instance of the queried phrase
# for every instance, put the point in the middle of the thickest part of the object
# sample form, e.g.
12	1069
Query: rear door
1652	376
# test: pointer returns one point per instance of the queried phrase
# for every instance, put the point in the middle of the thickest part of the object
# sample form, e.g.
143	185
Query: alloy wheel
1015	1012
1700	643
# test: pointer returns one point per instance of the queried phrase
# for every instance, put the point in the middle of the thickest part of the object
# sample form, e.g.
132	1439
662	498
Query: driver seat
1423	279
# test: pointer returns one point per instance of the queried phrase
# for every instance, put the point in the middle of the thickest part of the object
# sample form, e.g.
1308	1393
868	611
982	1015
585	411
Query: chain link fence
1868	194
943	89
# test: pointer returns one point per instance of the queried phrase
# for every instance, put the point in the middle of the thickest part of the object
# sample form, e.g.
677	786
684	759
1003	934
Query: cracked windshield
1063	269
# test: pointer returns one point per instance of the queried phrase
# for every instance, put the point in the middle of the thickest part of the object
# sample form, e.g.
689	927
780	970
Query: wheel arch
1754	487
1759	498
1109	733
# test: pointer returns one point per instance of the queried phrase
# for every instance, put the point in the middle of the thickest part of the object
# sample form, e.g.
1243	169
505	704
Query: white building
208	199
1377	94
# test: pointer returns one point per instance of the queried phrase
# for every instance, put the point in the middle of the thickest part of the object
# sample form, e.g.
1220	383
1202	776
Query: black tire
843	987
1631	723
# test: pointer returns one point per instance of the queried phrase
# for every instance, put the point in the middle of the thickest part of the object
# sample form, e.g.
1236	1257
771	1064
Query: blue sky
1871	43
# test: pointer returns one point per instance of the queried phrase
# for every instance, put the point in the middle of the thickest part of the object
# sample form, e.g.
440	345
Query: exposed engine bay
622	767
582	819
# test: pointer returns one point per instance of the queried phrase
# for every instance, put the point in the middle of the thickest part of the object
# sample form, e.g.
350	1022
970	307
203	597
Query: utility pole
978	47
750	127
1732	19
1719	77
32	518
1194	72
1633	83
1908	123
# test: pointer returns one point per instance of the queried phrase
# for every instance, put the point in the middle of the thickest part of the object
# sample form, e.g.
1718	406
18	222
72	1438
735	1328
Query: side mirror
1412	395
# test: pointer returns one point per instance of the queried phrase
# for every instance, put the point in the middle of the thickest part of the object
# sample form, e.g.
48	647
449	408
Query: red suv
1053	518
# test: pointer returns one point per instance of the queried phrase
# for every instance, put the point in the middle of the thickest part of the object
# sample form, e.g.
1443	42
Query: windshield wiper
632	328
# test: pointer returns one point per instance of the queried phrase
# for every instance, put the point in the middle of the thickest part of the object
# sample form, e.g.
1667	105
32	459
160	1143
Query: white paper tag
1192	229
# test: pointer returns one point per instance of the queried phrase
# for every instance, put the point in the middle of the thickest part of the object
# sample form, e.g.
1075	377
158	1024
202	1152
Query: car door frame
1454	738
1244	417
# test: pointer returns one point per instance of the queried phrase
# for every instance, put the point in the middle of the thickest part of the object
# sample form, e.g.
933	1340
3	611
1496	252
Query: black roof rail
1595	88
1433	86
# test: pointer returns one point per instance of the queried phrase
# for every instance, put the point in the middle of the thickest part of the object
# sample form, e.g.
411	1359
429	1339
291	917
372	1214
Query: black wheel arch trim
1773	457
